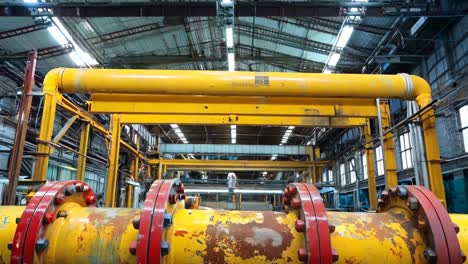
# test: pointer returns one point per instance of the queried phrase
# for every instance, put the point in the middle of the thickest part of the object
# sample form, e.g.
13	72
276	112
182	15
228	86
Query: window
464	124
342	174
380	161
364	166
405	151
330	175
325	175
352	171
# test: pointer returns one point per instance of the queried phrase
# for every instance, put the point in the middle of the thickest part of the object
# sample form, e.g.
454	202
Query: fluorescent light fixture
309	142
344	36
327	71
291	127
231	62
233	141
227	1
57	35
334	58
179	133
274	156
229	37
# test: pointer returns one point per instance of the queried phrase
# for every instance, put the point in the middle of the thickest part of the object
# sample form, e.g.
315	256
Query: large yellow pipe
105	235
238	83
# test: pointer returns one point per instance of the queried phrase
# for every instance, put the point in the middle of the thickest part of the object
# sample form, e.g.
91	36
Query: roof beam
248	8
23	30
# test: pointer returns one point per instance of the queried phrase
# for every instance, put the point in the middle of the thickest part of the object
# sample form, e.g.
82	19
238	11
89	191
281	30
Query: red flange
431	217
311	211
42	210
154	218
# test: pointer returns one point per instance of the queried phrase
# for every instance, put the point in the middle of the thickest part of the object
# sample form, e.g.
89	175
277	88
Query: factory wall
445	70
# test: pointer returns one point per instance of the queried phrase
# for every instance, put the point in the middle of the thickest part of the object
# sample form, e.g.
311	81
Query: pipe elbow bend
52	81
422	91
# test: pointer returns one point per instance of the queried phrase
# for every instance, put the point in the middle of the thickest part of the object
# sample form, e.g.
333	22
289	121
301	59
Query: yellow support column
160	168
148	171
391	179
371	182
113	162
433	155
83	151
45	135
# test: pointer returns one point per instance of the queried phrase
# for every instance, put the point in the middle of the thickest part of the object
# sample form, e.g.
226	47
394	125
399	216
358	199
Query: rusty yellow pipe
105	235
70	80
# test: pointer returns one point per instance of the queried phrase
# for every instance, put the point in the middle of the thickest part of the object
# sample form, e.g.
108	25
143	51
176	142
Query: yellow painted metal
221	105
111	187
462	221
391	177
8	215
202	236
104	235
371	181
309	121
160	165
376	238
91	235
83	151
239	83
236	165
47	127
64	129
431	143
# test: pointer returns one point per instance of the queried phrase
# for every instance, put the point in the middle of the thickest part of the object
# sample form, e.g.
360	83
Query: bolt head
167	220
181	188
90	199
331	228
335	256
300	225
18	219
133	247
302	254
413	203
165	248
292	190
48	218
456	227
59	199
430	255
172	199
42	244
81	187
402	192
10	245
295	203
62	213
136	222
463	257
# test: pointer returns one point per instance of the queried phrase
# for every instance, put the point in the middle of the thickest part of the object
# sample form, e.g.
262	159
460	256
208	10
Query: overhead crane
411	224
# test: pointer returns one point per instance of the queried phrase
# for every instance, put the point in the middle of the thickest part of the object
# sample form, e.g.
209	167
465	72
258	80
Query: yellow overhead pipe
402	86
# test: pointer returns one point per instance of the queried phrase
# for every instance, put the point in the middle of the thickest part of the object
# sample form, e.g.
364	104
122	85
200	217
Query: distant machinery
61	225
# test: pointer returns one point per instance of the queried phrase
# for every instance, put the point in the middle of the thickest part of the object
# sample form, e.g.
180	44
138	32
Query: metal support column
113	162
51	98
371	182
16	156
433	155
388	148
83	151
